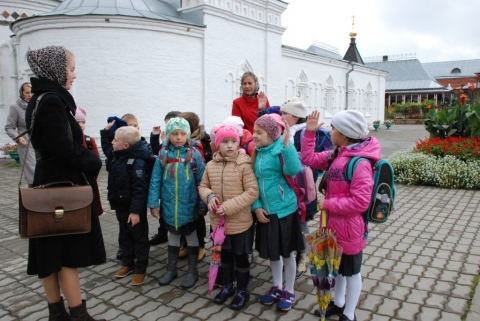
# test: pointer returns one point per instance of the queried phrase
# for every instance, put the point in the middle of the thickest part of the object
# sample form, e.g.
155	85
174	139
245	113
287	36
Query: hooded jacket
276	197
128	188
344	202
176	186
232	181
247	142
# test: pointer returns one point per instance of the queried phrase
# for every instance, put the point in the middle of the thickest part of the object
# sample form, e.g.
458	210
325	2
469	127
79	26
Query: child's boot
172	273
301	264
226	274
79	313
242	297
192	273
57	311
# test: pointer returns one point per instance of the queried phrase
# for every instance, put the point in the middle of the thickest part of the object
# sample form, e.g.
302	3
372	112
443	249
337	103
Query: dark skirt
186	229
350	264
241	243
279	237
48	255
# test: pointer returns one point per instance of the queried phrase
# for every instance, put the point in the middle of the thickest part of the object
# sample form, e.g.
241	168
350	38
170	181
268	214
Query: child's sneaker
124	271
272	295
286	302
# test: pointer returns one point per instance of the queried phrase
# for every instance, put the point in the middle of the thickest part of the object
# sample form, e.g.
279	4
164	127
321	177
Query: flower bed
416	168
464	148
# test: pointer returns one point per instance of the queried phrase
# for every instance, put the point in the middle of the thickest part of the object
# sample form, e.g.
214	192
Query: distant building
149	57
409	80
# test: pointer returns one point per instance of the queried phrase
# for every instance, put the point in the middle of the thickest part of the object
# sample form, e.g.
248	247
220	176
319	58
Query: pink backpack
303	185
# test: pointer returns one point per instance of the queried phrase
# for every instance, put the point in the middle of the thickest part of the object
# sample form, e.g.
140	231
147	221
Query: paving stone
446	316
428	314
436	300
371	302
388	307
408	311
399	293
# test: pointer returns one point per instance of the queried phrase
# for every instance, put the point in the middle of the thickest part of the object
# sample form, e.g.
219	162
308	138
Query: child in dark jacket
127	194
106	137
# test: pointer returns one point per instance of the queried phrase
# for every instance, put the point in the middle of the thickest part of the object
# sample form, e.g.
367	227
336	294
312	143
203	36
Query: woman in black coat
60	158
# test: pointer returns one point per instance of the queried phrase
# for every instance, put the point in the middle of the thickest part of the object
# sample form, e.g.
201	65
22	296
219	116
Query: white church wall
120	72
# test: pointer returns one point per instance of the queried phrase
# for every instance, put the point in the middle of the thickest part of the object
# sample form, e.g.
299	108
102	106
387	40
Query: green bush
461	120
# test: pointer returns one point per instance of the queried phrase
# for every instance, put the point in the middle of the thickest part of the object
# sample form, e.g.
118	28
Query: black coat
62	159
128	186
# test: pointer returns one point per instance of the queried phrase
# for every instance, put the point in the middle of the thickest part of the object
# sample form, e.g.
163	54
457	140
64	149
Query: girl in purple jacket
344	202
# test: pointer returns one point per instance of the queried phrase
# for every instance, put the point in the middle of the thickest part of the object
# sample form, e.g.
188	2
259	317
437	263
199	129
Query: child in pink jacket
344	202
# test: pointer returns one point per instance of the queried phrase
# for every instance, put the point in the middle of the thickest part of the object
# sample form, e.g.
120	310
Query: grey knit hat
351	123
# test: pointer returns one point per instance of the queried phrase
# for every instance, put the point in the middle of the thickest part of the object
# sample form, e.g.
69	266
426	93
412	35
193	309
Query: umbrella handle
324	218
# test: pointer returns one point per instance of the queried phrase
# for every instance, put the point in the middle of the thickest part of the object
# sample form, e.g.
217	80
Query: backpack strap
352	165
299	192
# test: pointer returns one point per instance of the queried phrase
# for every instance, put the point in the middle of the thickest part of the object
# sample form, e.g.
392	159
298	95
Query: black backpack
149	164
207	149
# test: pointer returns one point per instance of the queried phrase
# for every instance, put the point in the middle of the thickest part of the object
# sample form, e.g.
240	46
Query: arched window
456	71
302	87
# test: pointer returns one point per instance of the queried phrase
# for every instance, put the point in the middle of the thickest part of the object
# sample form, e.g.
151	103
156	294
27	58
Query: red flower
428	106
463	98
471	87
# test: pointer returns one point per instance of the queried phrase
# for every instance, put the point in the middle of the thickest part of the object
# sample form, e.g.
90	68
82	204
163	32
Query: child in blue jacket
278	232
176	175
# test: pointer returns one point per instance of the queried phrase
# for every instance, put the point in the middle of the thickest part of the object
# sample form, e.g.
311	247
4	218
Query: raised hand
312	121
262	100
109	125
286	134
156	130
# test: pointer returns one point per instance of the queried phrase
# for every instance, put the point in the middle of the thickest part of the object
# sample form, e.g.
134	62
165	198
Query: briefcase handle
63	183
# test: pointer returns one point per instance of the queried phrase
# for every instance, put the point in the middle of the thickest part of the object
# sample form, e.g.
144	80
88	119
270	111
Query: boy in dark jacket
127	194
106	137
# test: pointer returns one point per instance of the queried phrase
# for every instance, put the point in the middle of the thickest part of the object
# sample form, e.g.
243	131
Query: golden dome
353	34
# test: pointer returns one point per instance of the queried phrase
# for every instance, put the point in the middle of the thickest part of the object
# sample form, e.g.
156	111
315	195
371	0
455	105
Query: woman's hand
286	134
262	215
155	212
212	205
312	121
22	141
133	218
262	100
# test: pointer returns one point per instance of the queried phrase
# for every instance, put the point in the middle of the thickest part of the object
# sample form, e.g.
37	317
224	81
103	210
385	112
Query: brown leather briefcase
50	211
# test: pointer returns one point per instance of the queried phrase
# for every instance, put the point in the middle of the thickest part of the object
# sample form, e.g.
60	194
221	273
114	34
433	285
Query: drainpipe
346	87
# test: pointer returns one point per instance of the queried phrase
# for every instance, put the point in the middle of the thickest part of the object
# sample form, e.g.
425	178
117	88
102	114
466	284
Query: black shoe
159	238
343	317
120	254
222	296
240	300
332	309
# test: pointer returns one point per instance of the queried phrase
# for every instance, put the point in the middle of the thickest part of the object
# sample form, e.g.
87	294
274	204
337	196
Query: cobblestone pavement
421	265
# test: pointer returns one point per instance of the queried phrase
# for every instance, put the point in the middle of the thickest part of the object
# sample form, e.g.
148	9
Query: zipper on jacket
263	182
176	191
223	169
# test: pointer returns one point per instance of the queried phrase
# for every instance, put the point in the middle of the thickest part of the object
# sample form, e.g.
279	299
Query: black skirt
279	237
47	255
350	264
241	243
186	229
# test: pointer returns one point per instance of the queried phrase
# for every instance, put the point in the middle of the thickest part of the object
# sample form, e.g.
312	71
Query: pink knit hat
279	120
270	125
80	114
225	131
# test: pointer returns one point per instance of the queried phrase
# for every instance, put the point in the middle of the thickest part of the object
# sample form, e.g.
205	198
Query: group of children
246	174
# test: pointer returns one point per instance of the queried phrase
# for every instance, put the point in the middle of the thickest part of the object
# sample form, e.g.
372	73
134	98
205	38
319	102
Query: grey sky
436	30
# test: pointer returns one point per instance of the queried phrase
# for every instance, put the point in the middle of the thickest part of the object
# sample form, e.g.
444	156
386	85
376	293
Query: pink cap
225	131
80	114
